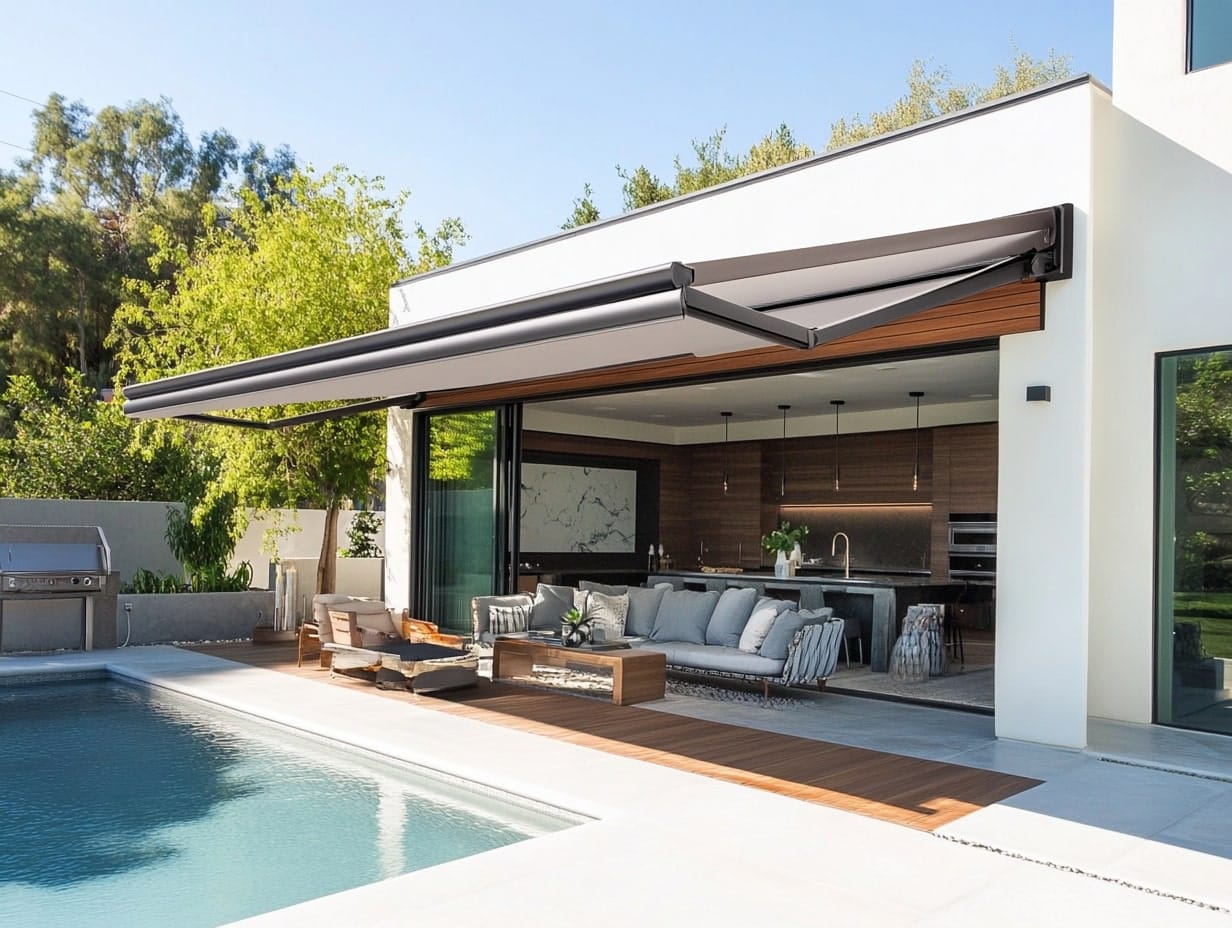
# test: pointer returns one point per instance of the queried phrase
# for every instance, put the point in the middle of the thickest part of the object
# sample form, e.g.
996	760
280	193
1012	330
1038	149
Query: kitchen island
877	600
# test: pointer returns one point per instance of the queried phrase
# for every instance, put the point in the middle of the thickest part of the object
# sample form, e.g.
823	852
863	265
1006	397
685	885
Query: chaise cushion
760	622
730	616
716	658
551	603
643	607
785	628
683	615
608	613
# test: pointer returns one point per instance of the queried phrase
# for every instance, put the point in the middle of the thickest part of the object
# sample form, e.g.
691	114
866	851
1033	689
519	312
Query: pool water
125	805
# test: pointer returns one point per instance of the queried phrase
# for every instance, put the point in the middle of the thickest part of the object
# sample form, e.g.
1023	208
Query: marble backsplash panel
578	509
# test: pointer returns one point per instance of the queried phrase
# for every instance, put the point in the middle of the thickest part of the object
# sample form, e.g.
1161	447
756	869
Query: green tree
304	268
584	210
69	445
930	93
77	220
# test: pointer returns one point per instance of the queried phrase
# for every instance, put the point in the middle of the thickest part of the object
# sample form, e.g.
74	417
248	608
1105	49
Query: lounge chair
420	666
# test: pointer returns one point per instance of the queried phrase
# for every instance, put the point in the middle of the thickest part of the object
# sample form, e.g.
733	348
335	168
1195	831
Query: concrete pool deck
1100	842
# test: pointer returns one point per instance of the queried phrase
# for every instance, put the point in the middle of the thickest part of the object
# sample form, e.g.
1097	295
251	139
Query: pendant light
726	422
783	454
836	404
915	476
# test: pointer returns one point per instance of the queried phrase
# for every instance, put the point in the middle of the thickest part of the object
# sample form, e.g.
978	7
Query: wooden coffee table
637	676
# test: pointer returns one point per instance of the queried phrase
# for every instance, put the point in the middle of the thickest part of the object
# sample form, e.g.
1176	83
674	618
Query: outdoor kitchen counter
878	601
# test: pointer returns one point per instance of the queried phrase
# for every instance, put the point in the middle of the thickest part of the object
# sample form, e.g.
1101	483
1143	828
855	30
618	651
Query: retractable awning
800	298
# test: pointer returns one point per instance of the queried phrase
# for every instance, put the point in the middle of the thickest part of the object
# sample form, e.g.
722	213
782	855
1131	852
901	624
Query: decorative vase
575	635
781	566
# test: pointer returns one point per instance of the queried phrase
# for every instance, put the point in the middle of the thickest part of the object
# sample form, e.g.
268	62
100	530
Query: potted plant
575	628
784	540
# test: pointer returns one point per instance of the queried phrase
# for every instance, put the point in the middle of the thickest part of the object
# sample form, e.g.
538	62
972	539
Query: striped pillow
506	620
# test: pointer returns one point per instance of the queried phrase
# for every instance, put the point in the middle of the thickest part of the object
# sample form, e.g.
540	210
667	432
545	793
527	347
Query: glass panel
458	540
1210	33
1194	644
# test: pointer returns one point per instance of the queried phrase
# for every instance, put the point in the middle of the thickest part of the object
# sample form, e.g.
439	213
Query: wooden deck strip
909	791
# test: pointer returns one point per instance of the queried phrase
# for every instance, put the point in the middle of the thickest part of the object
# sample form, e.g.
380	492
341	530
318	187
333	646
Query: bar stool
954	636
851	629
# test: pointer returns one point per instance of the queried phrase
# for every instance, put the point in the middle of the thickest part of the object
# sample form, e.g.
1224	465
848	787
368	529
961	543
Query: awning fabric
800	298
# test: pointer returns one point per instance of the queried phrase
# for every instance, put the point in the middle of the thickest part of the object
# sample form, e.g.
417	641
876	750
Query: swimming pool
127	805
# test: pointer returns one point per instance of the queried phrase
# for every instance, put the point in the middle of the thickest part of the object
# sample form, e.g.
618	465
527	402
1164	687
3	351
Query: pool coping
662	841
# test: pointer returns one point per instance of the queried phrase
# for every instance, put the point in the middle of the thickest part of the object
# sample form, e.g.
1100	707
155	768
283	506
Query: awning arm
717	311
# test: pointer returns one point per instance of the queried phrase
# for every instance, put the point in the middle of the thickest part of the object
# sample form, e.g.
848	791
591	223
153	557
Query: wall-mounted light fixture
915	475
726	422
836	404
1039	393
783	453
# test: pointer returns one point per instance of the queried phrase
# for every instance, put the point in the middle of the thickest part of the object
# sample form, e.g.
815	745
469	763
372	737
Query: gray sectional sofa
735	633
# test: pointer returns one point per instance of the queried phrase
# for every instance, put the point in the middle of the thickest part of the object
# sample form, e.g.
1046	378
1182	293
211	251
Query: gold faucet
846	552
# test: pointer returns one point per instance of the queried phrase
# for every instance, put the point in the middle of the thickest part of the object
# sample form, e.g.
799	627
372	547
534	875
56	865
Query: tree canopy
78	217
931	92
309	267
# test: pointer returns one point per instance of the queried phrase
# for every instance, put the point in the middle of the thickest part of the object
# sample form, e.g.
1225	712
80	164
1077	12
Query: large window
1210	33
1194	565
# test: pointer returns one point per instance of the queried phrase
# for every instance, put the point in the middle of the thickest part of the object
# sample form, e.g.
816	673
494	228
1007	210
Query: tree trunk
81	321
327	563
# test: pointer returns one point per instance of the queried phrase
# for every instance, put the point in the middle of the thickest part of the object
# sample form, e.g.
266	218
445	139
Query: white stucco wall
1162	230
1011	159
1152	85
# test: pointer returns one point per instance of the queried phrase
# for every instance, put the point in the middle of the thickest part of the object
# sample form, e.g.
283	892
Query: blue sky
498	113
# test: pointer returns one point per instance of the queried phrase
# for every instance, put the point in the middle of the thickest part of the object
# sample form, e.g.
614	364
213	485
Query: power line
14	145
17	96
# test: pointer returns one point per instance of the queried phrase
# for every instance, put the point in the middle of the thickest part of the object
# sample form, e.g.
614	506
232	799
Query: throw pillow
551	602
591	587
609	614
643	607
785	627
760	623
730	616
581	600
508	620
684	615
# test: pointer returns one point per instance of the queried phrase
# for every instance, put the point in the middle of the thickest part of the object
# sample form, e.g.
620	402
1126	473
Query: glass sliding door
1193	685
466	481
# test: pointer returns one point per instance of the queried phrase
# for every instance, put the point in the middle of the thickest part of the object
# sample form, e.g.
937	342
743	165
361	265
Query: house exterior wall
1160	276
1008	159
1149	63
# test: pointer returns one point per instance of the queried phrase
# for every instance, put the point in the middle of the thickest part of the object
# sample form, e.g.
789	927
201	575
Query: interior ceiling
868	388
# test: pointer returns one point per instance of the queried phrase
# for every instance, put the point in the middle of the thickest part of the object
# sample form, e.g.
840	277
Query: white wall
136	531
1161	265
1151	84
1012	159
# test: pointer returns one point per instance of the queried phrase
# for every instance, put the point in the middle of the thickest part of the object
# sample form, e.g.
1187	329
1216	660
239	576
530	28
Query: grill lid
53	550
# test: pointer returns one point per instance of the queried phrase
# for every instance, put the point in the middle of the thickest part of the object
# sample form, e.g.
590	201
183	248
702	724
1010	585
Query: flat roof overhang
800	298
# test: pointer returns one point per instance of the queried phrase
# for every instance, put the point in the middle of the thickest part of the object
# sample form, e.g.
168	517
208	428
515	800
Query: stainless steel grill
39	562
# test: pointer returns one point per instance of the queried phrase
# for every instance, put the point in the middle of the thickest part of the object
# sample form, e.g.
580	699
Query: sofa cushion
683	615
506	620
550	604
591	587
480	627
730	616
643	607
785	628
760	622
714	657
608	613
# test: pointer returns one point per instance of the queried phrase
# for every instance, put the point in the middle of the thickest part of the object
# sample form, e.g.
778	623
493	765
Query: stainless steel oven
973	537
